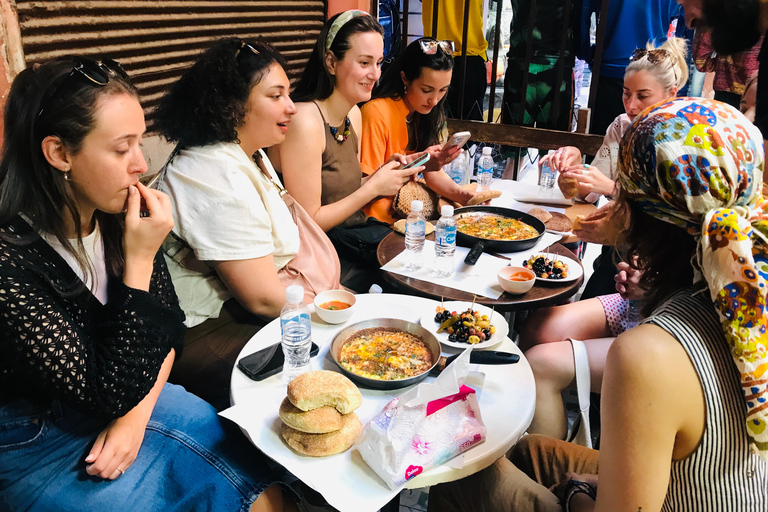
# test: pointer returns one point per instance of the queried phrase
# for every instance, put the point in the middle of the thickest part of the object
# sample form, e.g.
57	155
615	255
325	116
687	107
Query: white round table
506	397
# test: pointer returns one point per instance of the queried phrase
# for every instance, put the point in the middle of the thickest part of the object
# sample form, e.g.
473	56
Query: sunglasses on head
89	72
244	49
429	46
654	56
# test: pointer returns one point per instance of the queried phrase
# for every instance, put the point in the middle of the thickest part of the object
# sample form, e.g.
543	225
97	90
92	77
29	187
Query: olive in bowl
516	280
335	306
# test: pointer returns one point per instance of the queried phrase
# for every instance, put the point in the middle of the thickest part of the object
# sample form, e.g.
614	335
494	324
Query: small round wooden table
541	295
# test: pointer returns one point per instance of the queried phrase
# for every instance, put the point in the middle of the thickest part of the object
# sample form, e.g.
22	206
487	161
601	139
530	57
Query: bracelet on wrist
577	487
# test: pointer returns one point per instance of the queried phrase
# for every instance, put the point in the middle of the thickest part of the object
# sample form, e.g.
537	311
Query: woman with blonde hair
654	75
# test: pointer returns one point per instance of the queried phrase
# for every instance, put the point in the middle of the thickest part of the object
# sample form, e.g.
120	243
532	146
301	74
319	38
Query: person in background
654	74
90	321
629	24
407	115
749	98
237	244
736	26
682	423
543	105
731	71
319	158
470	70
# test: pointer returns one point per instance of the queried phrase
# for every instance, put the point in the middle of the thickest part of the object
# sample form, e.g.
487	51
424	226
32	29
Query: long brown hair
50	99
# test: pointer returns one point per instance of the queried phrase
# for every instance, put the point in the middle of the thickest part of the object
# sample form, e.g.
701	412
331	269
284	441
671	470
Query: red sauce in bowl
334	305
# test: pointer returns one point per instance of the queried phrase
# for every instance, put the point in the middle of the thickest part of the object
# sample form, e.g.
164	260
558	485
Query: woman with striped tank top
685	394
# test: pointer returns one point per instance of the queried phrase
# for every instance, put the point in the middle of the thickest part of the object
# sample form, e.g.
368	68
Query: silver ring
120	470
585	171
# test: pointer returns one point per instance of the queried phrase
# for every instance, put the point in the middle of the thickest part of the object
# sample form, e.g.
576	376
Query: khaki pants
518	483
210	353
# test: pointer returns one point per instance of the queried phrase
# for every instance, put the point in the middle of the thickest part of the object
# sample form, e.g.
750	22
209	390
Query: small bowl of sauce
516	280
335	306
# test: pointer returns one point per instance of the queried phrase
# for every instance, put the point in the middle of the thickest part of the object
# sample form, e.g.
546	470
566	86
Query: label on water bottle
302	318
446	236
418	228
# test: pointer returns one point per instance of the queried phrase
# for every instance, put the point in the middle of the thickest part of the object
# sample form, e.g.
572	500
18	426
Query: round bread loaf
483	196
319	388
540	213
559	222
399	226
568	186
321	445
317	421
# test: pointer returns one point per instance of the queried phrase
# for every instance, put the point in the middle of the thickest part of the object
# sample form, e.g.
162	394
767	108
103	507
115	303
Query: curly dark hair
54	99
425	128
316	83
664	253
209	101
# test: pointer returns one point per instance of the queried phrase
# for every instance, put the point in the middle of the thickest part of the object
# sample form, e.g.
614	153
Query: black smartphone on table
267	362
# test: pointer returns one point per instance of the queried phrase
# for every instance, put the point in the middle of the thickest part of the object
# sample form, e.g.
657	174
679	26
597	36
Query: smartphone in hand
267	362
457	139
418	161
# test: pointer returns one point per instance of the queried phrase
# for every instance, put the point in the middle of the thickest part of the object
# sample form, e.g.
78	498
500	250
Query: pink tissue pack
401	442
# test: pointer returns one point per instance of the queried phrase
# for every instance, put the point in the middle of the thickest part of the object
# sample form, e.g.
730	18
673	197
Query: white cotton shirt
225	209
607	158
94	253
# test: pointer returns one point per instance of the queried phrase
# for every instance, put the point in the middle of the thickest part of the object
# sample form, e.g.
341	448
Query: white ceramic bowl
516	286
335	316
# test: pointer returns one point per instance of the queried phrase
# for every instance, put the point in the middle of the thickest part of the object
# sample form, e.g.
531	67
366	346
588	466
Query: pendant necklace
340	137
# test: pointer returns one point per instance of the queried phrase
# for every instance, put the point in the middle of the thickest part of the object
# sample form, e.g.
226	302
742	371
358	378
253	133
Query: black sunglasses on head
654	56
88	71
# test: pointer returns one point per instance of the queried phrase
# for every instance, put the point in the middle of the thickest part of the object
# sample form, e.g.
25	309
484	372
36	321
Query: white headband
340	22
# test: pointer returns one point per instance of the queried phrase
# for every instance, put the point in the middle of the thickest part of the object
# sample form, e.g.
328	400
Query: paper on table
479	278
362	490
527	193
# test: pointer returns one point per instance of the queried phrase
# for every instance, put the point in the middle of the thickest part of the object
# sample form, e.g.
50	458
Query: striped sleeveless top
722	474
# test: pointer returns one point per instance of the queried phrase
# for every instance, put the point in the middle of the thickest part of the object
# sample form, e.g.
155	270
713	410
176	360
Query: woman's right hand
388	179
562	158
144	234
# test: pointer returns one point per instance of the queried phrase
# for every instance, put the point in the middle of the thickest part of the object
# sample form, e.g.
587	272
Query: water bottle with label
445	242
297	333
415	231
485	170
547	176
457	169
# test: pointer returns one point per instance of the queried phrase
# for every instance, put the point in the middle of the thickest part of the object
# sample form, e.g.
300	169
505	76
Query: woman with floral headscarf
685	394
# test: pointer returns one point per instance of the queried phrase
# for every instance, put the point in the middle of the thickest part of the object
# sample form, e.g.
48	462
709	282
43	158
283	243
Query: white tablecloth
507	401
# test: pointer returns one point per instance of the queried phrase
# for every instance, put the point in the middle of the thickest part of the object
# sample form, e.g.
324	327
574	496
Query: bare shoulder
307	119
355	117
646	350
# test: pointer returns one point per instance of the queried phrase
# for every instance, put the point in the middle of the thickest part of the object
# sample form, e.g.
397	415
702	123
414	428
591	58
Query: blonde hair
670	71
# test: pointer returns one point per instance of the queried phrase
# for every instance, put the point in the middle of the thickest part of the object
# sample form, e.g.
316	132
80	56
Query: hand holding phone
417	161
457	139
267	362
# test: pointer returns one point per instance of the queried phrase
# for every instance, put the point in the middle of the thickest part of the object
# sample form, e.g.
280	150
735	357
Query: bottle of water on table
445	242
415	231
547	178
297	333
485	169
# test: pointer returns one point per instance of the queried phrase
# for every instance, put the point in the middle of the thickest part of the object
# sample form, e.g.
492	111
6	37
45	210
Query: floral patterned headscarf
698	164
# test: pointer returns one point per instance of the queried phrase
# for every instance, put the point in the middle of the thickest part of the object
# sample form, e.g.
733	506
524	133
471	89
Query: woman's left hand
440	156
117	446
590	180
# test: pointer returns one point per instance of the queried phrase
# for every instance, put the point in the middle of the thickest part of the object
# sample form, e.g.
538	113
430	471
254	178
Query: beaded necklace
340	137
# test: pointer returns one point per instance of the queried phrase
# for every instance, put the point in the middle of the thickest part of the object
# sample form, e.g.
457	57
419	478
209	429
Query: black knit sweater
58	341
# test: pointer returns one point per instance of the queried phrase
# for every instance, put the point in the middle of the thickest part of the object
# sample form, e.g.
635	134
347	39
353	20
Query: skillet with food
495	228
361	350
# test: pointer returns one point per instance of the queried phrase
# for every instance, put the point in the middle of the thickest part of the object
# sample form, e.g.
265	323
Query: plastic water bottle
445	242
297	333
415	231
547	178
485	169
457	169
